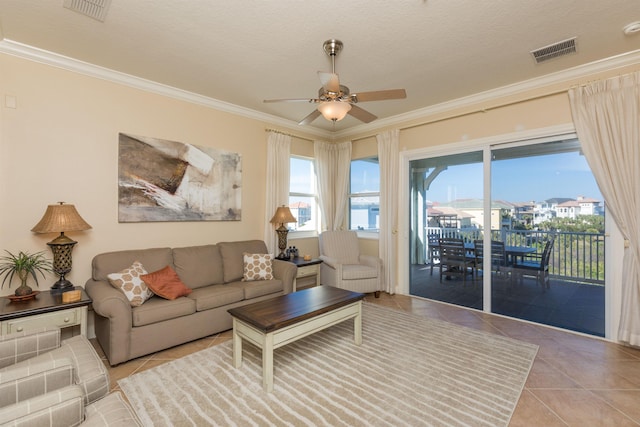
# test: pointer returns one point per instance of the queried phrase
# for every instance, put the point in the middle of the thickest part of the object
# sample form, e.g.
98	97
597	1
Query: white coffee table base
280	337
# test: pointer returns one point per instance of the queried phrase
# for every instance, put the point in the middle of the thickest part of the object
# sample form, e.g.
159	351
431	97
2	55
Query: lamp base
62	285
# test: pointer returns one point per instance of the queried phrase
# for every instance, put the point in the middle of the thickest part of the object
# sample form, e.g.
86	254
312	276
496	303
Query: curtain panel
332	164
388	159
277	183
607	118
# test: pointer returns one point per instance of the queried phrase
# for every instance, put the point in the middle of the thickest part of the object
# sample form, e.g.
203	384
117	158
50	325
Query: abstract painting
160	180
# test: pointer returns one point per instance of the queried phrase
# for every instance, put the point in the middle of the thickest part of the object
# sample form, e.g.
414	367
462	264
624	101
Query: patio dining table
515	252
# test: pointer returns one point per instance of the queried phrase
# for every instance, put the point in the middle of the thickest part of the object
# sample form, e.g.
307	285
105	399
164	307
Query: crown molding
568	77
20	50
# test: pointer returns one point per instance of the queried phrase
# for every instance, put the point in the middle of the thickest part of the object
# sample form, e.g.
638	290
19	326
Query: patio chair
499	264
454	260
434	250
538	265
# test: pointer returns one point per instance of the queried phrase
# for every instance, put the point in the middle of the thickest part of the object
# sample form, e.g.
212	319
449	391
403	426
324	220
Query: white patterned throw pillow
130	283
257	267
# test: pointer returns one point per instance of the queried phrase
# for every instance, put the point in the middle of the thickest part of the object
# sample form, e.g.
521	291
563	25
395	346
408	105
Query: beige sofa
213	272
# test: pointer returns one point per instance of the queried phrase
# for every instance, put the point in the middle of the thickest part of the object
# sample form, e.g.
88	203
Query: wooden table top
44	302
279	312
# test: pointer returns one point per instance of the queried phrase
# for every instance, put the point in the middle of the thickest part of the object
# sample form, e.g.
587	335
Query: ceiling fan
334	100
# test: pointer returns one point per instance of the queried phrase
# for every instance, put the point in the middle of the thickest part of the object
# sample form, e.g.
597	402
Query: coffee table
276	322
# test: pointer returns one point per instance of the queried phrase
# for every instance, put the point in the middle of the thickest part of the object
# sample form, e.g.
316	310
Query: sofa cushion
110	262
258	288
130	283
216	296
166	283
358	271
257	267
198	266
232	259
159	309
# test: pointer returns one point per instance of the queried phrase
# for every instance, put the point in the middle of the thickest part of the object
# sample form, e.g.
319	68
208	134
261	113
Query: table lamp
58	219
282	216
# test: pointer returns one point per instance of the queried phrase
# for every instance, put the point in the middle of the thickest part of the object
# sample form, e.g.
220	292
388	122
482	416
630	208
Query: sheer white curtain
388	158
277	188
333	163
607	118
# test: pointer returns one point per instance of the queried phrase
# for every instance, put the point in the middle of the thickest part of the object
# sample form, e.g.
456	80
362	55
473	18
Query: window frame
368	233
300	234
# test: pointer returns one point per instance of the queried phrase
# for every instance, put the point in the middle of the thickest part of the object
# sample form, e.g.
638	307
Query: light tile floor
575	380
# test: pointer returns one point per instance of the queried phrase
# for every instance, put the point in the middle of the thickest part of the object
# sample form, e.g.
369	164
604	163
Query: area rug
409	371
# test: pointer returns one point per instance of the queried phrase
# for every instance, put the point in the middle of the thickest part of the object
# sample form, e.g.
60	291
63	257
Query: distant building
566	208
475	208
302	212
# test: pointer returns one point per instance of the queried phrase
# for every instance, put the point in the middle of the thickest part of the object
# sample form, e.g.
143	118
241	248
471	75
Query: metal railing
575	256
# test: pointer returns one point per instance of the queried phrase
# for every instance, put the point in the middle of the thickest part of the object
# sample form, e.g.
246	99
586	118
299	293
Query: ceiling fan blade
311	117
330	81
361	114
309	100
379	95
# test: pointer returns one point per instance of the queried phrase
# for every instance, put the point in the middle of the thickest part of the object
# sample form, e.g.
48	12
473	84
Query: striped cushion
357	271
61	408
33	379
111	411
90	373
20	346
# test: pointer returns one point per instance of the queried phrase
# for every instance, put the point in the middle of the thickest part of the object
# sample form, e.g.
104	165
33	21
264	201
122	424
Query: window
364	195
303	197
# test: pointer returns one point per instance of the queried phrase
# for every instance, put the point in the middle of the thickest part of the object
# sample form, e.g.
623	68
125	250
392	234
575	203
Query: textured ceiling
243	51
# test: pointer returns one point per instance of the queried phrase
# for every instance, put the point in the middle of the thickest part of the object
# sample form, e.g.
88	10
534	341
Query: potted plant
24	265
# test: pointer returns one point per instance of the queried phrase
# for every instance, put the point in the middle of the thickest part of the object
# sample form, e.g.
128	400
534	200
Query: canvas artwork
160	180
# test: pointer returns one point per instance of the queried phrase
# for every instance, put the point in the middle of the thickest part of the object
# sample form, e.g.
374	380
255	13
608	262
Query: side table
47	309
308	273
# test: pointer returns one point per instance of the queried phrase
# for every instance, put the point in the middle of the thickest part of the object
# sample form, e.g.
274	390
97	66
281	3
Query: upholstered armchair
344	267
48	382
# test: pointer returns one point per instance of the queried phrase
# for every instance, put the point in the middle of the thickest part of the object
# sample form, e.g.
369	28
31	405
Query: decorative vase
23	289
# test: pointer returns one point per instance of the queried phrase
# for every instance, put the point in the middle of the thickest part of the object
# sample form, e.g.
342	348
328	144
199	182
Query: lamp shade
60	218
334	110
283	215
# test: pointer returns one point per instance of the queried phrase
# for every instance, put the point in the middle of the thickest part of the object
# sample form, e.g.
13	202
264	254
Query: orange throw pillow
166	283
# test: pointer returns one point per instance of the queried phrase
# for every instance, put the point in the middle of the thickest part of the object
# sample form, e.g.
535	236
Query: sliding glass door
554	236
533	241
440	188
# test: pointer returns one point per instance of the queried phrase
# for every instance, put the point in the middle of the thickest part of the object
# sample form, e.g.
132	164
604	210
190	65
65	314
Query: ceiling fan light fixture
334	110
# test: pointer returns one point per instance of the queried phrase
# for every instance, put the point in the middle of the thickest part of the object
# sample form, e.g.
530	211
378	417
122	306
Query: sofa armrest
114	333
286	272
330	261
24	345
370	260
63	408
110	302
29	380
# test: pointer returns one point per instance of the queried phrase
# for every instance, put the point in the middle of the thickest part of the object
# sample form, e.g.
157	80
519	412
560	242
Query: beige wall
61	144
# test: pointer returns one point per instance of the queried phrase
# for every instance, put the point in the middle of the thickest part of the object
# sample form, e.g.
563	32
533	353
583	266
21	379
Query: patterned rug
409	371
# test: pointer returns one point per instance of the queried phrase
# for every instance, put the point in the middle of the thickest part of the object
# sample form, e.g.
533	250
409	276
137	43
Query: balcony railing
575	256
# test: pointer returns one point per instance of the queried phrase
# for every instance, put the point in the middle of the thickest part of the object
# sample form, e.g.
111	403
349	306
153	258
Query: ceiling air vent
555	50
96	9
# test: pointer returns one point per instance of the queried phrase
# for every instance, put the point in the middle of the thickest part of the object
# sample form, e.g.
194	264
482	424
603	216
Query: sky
522	179
525	179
